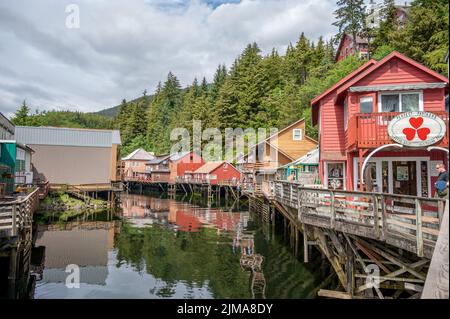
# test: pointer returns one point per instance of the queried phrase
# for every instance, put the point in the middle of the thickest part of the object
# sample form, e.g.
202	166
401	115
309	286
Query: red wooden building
392	113
182	163
347	47
217	173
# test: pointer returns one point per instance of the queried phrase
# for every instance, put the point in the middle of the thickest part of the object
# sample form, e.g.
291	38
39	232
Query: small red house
217	173
389	118
182	163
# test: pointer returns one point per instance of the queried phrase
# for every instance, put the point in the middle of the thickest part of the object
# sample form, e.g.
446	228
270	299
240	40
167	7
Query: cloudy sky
125	46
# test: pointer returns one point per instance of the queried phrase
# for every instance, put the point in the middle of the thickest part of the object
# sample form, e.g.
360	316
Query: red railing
369	130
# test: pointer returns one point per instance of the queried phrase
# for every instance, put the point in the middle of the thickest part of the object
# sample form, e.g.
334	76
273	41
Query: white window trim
400	93
378	162
293	134
344	172
365	97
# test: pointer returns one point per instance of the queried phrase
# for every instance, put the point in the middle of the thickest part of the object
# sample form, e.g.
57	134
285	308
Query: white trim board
378	162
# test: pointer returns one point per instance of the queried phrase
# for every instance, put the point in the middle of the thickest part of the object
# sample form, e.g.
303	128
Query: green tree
21	117
350	18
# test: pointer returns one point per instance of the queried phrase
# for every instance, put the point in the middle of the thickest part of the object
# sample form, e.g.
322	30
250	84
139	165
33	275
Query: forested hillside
61	119
275	89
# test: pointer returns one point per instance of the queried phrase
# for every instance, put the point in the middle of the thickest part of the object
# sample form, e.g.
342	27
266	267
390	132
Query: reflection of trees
194	258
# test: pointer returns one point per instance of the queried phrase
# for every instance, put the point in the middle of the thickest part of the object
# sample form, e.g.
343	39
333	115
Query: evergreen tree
164	111
388	24
350	18
21	117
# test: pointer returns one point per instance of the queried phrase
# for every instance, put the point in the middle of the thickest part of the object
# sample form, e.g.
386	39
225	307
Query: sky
123	47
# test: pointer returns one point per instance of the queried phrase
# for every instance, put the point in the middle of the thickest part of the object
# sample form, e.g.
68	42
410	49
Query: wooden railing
369	130
43	189
191	180
408	222
18	214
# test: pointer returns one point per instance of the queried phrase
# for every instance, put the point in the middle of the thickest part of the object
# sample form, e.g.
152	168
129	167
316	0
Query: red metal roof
392	55
343	81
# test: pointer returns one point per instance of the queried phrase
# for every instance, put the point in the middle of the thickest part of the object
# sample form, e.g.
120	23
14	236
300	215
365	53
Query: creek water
170	248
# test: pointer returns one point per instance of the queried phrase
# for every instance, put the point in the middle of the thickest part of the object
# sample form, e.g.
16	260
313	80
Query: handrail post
14	223
376	222
383	218
290	193
299	205
332	211
419	233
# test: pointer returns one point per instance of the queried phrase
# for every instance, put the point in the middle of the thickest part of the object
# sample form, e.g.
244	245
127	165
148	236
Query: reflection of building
143	210
184	220
191	218
86	248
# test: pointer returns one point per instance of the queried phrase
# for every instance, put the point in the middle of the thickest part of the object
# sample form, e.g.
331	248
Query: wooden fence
408	222
18	214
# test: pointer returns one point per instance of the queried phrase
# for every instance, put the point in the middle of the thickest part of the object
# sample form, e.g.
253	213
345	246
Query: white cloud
124	47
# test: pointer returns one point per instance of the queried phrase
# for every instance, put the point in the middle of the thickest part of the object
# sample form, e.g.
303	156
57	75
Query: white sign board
417	129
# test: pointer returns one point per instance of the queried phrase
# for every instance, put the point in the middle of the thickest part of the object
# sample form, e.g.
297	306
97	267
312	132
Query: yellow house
277	150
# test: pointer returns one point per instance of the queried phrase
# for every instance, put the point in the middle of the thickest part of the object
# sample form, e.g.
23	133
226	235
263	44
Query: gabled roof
6	124
158	159
343	81
178	156
139	155
239	157
208	167
310	158
344	87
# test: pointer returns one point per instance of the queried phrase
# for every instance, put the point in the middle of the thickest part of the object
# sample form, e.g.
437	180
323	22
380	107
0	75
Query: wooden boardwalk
380	245
15	215
407	222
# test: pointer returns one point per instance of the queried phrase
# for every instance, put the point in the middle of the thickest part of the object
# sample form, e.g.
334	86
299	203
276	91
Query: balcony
370	130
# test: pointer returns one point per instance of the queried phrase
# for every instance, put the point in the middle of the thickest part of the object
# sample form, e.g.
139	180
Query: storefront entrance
403	176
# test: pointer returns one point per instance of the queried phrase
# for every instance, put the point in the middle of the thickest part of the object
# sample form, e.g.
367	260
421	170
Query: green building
7	156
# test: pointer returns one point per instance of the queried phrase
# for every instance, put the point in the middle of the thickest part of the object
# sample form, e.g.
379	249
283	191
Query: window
390	103
401	102
297	134
345	114
335	175
410	102
366	104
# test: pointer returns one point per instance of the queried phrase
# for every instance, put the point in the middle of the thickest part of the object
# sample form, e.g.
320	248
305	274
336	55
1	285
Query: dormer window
297	134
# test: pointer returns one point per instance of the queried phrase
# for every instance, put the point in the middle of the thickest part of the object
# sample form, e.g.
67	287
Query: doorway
405	177
395	175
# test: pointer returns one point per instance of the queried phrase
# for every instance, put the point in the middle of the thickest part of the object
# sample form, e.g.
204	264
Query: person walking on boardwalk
441	184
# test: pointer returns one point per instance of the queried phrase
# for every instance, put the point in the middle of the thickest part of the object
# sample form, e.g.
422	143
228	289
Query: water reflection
170	249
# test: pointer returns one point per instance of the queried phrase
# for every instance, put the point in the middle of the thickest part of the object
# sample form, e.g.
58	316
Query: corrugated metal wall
66	136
